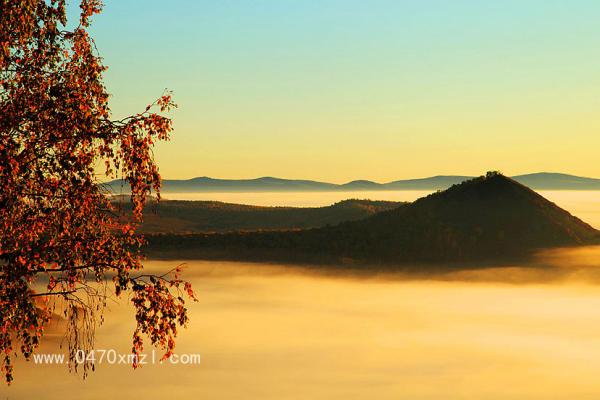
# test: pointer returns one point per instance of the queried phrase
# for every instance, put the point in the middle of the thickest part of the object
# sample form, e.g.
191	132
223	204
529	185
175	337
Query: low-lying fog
276	332
281	332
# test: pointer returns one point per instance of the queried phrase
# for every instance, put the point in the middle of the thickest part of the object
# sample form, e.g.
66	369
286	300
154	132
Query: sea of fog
282	332
267	331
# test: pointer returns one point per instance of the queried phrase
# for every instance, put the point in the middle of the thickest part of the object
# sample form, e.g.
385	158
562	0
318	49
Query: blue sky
338	90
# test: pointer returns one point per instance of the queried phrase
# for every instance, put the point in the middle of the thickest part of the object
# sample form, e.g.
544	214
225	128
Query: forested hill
174	216
486	218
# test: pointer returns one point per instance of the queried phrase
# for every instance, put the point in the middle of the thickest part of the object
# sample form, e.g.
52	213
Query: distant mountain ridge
536	181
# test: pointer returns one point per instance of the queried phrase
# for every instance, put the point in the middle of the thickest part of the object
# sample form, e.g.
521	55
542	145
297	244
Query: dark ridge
487	218
177	216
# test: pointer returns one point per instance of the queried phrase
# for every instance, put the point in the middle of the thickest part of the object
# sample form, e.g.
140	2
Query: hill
264	184
439	182
486	218
538	181
174	216
556	181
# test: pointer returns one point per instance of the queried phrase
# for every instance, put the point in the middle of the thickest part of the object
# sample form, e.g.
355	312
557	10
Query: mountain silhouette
557	181
539	181
438	182
487	218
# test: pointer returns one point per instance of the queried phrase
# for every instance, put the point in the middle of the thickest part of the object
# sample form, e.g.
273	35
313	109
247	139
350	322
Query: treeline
174	216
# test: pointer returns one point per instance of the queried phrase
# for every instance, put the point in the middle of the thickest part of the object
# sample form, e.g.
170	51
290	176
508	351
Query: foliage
58	229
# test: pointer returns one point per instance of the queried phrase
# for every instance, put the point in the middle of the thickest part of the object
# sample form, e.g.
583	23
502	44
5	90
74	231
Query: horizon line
369	180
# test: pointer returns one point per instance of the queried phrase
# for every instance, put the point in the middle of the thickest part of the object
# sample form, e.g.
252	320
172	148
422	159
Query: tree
64	244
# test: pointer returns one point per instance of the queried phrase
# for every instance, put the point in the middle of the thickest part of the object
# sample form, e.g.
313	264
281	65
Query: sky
337	90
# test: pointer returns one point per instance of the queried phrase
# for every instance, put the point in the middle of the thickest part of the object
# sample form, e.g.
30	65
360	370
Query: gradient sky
338	90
